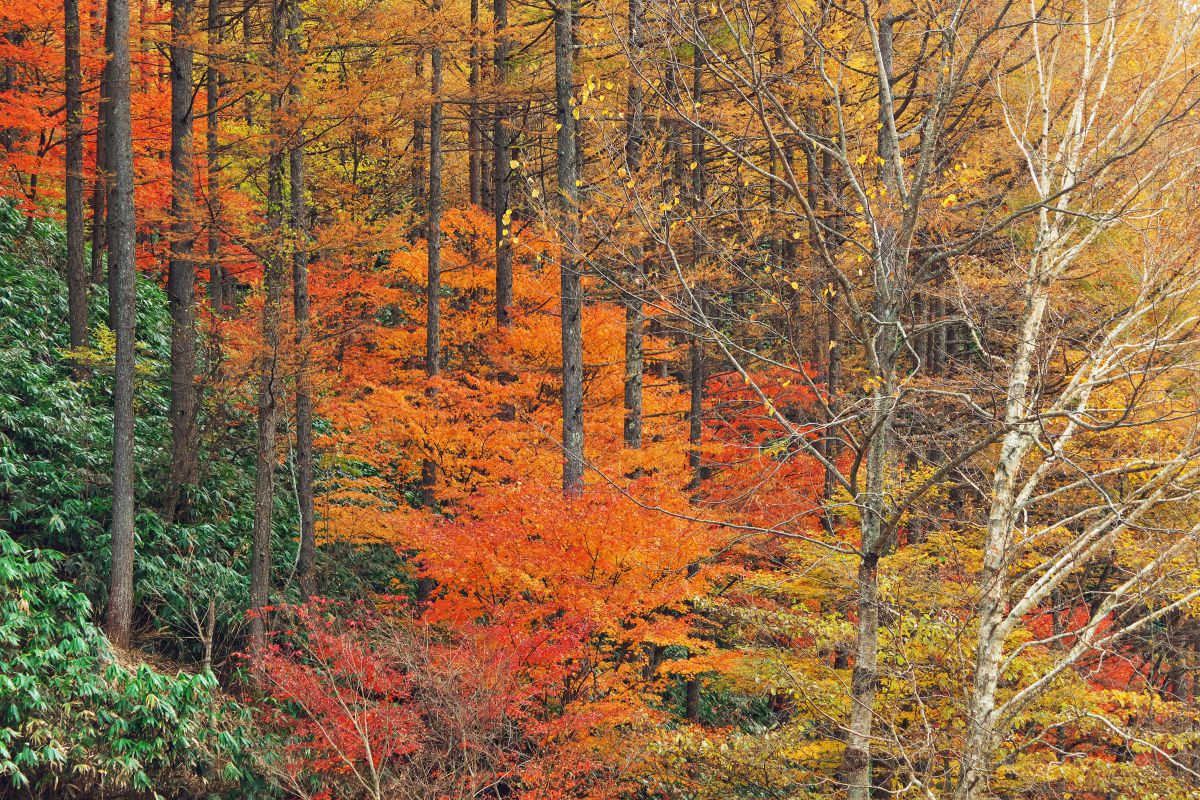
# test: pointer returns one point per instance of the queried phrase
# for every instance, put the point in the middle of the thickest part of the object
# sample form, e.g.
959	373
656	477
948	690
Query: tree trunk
433	284
300	305
474	125
212	142
77	301
888	272
571	280
123	309
975	765
100	186
418	142
181	270
502	143
269	387
635	317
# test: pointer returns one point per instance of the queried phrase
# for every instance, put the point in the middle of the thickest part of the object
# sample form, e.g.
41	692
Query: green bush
74	719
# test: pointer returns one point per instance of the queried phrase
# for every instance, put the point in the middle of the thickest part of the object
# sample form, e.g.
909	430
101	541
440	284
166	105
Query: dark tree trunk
502	143
181	270
123	309
77	309
571	282
212	143
474	124
433	285
418	143
300	305
270	383
100	184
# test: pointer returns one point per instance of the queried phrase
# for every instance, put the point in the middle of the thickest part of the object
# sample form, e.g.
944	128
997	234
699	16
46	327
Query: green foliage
56	446
73	717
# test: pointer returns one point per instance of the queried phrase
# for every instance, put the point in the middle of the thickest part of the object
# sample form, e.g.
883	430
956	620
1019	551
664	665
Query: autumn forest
600	399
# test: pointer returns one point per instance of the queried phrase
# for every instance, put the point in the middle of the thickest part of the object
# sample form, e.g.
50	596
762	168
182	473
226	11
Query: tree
301	310
123	313
181	269
433	247
77	282
270	380
571	293
502	138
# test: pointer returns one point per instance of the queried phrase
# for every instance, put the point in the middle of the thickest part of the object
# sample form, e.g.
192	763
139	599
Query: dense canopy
602	399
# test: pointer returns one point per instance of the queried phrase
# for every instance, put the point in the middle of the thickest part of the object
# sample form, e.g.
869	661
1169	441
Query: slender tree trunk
300	305
502	143
975	766
100	185
212	143
433	285
418	142
696	350
270	383
571	279
635	317
181	270
77	279
123	309
888	272
474	124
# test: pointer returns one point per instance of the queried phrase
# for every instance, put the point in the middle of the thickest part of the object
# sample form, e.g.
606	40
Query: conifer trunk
300	306
270	383
212	143
433	284
635	317
571	280
123	311
77	309
181	270
502	143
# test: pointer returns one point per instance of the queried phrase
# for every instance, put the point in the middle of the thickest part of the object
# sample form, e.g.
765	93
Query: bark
887	279
212	143
77	279
100	184
635	317
123	309
270	383
418	142
300	306
474	123
696	345
571	279
181	270
433	284
975	764
502	142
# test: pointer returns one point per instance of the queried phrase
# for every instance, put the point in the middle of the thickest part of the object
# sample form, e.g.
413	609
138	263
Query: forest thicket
600	399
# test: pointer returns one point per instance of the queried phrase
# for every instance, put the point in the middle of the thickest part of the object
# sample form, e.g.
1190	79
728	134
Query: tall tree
269	380
635	315
100	183
474	121
77	310
433	224
123	312
181	268
300	307
212	144
502	139
571	291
